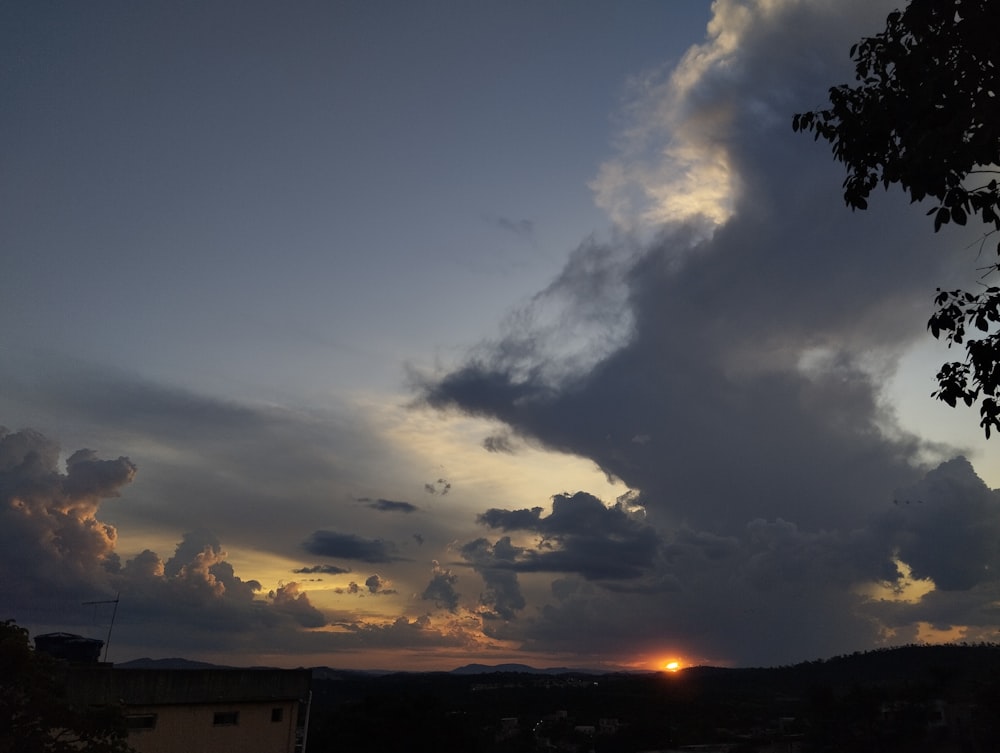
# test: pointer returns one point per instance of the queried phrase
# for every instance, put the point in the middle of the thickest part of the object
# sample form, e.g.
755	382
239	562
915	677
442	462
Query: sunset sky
410	334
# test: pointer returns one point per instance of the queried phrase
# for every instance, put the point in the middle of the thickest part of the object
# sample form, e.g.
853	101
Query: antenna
107	643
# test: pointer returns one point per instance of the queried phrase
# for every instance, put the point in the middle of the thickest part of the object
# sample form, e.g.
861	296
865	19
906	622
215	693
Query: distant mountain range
468	669
900	663
173	663
489	669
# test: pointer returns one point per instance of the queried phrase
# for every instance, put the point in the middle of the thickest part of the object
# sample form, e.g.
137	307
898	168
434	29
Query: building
203	710
70	647
190	710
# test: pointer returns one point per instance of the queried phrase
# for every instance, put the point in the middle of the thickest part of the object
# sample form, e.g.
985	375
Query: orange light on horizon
661	662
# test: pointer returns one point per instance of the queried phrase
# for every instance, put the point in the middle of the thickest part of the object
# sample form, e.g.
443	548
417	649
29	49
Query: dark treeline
912	698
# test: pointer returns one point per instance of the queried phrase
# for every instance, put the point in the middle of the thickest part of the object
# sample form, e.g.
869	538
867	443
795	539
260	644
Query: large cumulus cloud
58	553
49	530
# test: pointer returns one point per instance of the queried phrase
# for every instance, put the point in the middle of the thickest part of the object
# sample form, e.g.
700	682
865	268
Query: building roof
146	687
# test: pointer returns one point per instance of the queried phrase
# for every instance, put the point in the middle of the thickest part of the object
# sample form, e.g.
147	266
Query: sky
405	335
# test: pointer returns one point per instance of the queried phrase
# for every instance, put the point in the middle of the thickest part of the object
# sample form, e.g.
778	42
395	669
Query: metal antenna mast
107	643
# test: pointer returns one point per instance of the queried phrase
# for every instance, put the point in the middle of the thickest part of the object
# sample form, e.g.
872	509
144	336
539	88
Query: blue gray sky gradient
403	335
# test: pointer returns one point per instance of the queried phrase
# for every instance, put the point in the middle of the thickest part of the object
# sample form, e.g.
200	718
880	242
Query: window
140	721
277	714
226	718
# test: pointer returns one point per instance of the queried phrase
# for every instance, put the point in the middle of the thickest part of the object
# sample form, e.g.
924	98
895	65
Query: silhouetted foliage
926	115
36	715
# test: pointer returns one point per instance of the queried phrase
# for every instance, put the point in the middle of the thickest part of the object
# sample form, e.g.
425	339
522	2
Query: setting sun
672	666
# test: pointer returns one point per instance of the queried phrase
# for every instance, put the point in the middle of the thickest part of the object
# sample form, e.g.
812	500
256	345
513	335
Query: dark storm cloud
579	514
952	536
512	520
701	543
350	547
767	595
388	505
733	371
974	611
708	393
755	359
788	592
581	535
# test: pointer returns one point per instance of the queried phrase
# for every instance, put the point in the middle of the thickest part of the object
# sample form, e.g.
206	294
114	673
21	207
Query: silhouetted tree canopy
925	115
36	716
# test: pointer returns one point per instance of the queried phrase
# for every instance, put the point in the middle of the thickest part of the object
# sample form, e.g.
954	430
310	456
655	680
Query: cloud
49	530
257	479
187	444
441	589
762	347
89	477
772	594
495	563
499	443
441	486
416	633
63	554
581	535
725	354
953	535
376	584
685	128
387	505
325	569
523	229
350	547
786	591
288	599
194	547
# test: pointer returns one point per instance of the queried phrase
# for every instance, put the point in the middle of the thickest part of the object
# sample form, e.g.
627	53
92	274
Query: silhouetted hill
486	669
172	663
914	664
